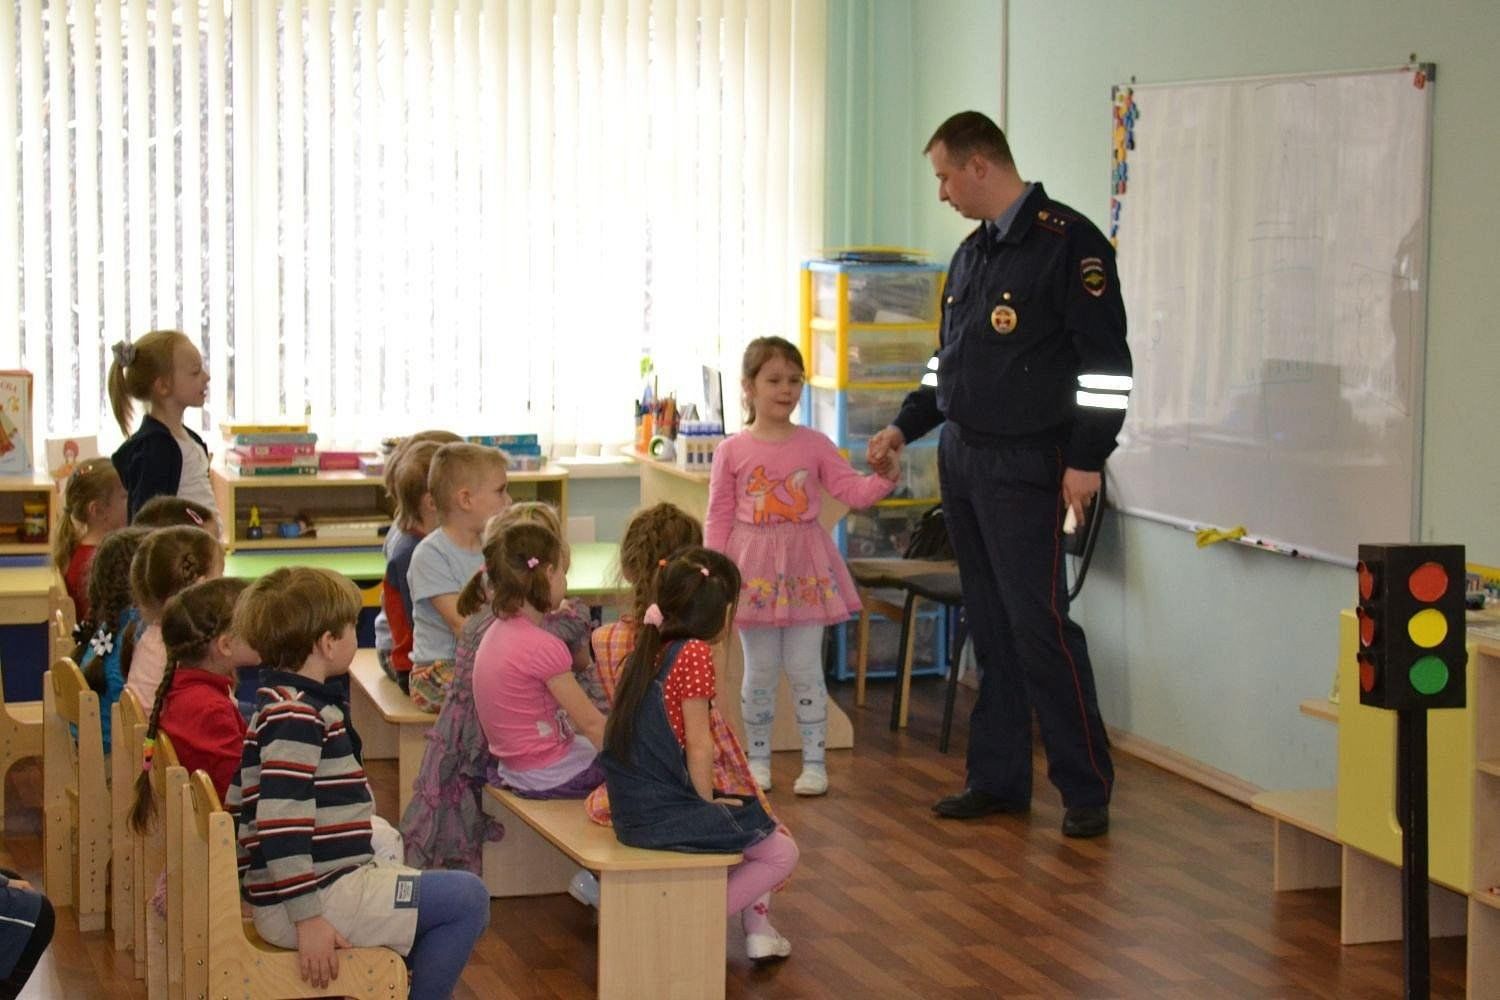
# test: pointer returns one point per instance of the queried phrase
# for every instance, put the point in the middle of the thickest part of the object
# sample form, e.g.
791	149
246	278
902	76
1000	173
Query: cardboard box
16	455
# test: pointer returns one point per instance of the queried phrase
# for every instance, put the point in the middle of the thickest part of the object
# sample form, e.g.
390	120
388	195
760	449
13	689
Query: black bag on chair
929	537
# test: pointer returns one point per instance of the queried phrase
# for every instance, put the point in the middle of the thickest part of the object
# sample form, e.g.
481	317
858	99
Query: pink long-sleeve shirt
761	483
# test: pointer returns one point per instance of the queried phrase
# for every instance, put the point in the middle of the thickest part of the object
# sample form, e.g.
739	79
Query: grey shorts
374	906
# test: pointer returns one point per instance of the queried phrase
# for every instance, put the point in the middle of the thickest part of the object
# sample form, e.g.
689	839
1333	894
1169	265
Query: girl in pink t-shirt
764	496
541	726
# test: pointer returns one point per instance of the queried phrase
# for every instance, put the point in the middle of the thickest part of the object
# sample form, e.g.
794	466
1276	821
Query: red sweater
204	722
77	579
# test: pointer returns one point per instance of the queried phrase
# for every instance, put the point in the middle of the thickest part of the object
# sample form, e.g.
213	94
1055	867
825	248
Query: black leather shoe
971	803
1086	821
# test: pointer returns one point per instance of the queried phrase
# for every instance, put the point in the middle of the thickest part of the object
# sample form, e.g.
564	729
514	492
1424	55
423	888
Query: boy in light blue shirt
468	486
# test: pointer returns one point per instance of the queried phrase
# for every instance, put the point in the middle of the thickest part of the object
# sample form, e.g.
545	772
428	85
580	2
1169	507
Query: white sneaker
767	947
811	782
584	887
761	772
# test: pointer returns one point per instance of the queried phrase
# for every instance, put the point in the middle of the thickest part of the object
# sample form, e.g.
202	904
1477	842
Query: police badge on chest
1003	319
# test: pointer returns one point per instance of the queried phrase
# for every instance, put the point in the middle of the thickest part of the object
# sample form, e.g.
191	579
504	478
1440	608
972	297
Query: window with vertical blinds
391	213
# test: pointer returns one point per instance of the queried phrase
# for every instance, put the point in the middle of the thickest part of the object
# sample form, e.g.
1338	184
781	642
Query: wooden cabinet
1484	891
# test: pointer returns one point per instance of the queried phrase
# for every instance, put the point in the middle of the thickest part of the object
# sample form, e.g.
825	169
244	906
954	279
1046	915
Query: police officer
1032	376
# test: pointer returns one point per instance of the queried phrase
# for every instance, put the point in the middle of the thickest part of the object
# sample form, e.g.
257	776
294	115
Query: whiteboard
1272	242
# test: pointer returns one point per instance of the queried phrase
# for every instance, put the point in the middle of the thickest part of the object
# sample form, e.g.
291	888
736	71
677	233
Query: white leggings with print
797	649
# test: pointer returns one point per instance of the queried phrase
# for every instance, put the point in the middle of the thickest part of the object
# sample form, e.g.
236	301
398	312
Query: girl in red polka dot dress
659	749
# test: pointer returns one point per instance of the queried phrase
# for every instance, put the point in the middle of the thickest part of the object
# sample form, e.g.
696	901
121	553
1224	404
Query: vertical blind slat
59	358
33	197
85	409
163	130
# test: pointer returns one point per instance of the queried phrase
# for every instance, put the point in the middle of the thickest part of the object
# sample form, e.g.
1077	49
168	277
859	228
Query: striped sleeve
290	738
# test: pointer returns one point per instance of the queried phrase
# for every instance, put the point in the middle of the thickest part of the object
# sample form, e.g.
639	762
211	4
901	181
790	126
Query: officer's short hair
968	133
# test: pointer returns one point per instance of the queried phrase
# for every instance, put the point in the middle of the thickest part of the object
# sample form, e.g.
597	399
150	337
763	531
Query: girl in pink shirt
764	495
541	726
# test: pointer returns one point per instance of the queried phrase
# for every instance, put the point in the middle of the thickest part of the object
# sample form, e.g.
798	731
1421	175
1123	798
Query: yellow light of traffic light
1428	628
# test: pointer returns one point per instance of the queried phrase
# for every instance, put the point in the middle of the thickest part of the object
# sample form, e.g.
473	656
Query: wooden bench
1305	841
388	723
661	913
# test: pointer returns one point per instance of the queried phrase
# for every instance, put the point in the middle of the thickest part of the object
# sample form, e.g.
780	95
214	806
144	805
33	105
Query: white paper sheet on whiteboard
1273	253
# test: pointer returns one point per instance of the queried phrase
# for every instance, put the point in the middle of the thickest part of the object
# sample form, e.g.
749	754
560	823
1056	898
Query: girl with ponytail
194	702
659	747
537	719
93	505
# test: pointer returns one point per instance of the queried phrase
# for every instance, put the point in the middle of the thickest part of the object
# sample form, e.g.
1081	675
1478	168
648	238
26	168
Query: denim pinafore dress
651	798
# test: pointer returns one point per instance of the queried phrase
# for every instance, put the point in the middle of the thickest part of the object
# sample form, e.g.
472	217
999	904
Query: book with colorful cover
506	442
271	452
271	439
253	471
234	430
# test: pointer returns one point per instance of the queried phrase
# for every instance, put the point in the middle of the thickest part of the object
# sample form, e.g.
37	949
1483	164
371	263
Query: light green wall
1208	652
891	81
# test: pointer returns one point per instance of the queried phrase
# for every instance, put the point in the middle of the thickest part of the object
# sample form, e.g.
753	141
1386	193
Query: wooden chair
160	850
222	955
127	729
64	617
76	828
20	736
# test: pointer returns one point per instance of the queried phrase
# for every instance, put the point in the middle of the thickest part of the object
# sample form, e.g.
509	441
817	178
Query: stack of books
523	452
271	450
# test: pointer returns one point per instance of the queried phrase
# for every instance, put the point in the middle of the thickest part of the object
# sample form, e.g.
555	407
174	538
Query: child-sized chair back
20	735
160	849
222	955
76	805
127	726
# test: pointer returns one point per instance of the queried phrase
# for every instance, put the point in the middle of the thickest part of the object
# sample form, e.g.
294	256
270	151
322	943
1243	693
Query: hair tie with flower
533	562
103	642
652	616
124	352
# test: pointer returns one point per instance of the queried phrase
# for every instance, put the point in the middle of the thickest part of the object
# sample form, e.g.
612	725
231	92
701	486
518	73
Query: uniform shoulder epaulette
1053	221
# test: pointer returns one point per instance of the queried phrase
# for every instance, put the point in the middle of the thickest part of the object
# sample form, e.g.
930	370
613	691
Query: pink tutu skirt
791	574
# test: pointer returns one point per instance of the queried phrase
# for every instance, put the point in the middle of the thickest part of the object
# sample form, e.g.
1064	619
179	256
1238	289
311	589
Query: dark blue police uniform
1032	377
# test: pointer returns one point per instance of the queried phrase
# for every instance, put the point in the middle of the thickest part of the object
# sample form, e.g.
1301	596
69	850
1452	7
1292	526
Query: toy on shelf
253	530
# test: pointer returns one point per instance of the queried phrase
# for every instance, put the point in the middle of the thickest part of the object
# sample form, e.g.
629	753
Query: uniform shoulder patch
1095	278
1052	221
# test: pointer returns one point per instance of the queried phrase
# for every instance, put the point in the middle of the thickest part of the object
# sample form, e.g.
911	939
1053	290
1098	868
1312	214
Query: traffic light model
1412	652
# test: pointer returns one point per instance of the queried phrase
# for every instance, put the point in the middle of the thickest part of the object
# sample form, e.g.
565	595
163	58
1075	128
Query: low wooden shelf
344	493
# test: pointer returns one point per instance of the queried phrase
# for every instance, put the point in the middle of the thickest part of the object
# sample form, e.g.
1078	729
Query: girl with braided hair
194	702
107	640
169	561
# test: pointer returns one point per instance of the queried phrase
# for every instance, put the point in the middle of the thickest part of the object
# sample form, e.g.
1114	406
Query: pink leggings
766	865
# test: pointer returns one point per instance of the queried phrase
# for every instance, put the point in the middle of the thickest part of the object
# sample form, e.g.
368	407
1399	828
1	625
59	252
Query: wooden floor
891	902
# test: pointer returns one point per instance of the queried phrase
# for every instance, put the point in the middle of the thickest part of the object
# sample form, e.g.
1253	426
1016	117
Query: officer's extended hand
884	446
1078	491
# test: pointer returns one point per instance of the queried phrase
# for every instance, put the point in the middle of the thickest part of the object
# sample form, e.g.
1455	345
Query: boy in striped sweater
302	805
